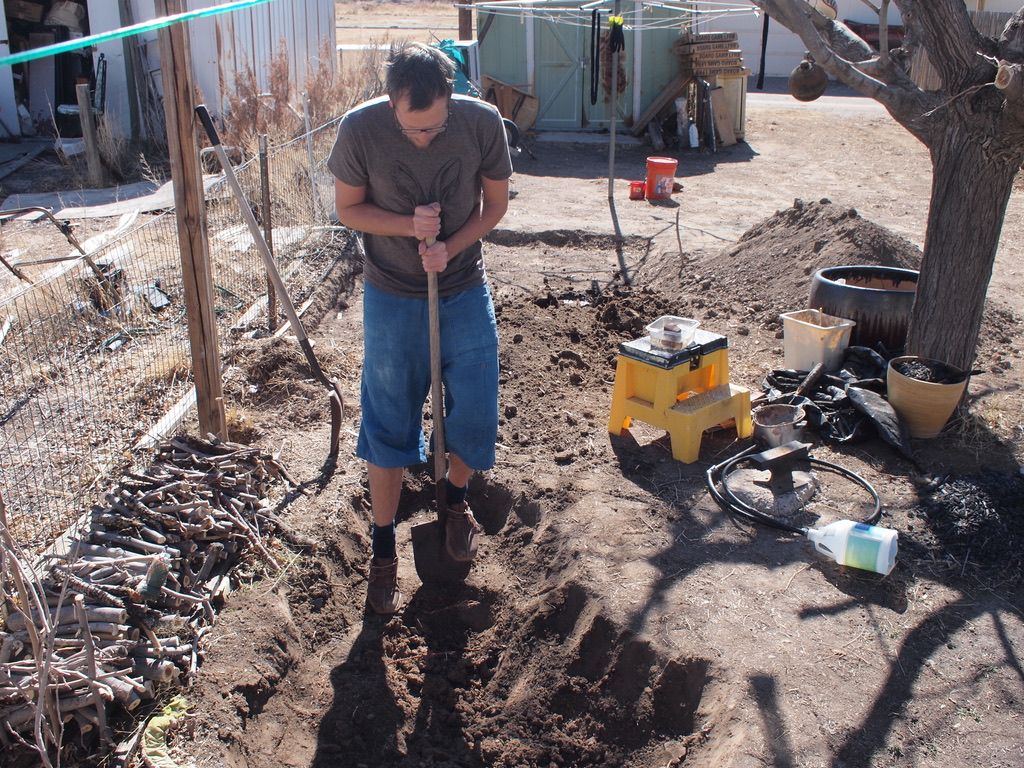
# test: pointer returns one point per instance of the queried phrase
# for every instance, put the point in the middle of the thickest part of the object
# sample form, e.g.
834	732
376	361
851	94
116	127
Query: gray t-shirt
371	152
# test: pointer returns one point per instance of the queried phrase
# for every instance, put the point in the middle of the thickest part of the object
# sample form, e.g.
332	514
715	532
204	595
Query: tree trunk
970	190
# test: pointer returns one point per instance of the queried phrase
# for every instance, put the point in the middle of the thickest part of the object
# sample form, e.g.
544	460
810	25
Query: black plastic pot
877	299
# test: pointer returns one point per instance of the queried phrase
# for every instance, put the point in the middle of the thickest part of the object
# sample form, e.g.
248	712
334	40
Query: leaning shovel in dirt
333	389
433	563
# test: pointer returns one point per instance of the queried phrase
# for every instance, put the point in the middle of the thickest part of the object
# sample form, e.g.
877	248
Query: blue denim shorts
396	377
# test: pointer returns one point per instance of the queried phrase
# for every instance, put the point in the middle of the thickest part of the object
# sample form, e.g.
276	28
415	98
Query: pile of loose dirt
768	272
769	269
523	666
546	656
274	374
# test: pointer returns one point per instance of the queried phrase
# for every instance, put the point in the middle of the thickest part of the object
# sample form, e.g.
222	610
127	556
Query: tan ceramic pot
923	406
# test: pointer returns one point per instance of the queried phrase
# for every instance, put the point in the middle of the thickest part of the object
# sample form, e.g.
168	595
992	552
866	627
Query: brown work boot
382	592
460	533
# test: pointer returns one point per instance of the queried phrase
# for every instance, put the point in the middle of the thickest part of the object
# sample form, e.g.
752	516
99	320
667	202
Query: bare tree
973	127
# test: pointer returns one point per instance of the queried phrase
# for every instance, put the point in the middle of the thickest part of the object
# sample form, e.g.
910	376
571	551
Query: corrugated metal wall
222	46
225	47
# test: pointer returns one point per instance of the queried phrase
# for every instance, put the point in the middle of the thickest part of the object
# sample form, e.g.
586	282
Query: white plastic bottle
694	138
858	545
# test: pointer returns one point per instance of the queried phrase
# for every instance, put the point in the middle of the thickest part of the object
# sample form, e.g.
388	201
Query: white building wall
785	49
8	105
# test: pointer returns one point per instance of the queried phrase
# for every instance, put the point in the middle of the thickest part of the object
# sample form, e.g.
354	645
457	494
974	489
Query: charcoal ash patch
977	520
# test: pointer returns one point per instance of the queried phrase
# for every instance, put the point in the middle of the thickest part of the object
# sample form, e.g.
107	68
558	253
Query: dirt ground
616	616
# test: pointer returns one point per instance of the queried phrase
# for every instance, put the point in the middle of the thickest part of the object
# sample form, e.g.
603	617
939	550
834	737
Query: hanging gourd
807	82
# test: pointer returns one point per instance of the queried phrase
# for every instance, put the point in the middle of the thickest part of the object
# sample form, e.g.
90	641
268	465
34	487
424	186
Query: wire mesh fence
96	350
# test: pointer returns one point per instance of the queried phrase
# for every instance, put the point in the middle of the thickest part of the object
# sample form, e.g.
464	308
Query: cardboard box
26	10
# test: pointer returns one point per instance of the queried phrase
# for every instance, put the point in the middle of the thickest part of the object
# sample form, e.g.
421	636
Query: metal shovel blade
433	563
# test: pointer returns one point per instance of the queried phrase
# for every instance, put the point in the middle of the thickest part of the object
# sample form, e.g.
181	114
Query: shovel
433	563
333	388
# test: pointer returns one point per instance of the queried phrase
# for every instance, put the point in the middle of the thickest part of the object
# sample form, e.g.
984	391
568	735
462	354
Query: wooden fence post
88	121
190	213
266	212
466	22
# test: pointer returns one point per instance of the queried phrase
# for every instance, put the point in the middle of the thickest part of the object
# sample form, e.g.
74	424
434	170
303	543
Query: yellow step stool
684	393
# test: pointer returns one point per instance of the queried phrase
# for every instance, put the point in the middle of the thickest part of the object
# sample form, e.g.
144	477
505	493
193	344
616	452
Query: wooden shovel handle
436	389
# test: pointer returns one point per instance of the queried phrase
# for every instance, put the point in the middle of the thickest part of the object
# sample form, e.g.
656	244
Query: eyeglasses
423	131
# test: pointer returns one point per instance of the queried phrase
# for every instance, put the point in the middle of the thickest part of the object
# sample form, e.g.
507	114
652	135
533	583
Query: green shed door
559	75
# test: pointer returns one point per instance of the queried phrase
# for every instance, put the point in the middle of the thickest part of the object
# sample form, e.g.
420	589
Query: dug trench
615	616
523	665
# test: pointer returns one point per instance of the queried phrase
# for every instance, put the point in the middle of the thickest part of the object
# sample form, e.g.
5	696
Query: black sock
384	541
453	493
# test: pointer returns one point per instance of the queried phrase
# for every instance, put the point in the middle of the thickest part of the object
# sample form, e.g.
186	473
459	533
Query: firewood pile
704	54
121	605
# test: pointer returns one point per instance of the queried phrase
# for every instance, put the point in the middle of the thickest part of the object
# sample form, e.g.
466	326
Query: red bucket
661	174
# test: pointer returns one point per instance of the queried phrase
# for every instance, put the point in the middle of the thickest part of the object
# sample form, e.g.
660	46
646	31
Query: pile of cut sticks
122	603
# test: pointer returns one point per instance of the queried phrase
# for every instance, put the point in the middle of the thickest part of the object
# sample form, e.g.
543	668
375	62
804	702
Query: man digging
416	166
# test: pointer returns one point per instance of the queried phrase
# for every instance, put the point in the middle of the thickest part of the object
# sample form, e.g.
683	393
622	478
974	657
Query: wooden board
671	91
723	117
707	70
681	47
712	56
735	87
707	37
519	106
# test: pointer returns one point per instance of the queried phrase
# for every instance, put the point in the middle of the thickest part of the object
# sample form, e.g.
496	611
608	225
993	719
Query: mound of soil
770	267
768	271
274	374
590	631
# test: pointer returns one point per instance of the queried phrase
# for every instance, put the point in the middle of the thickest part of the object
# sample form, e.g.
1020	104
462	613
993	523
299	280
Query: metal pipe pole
611	155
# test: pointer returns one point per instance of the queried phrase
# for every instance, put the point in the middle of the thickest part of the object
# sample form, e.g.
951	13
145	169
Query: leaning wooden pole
190	213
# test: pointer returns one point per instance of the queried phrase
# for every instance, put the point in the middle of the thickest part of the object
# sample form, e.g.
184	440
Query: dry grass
240	427
993	418
422	20
115	151
171	366
278	111
324	87
251	112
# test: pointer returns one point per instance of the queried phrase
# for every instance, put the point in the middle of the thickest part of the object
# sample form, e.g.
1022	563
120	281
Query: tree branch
1011	42
904	100
945	30
1010	80
883	31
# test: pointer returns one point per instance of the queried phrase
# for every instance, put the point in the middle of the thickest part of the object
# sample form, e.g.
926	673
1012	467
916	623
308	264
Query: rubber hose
732	505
